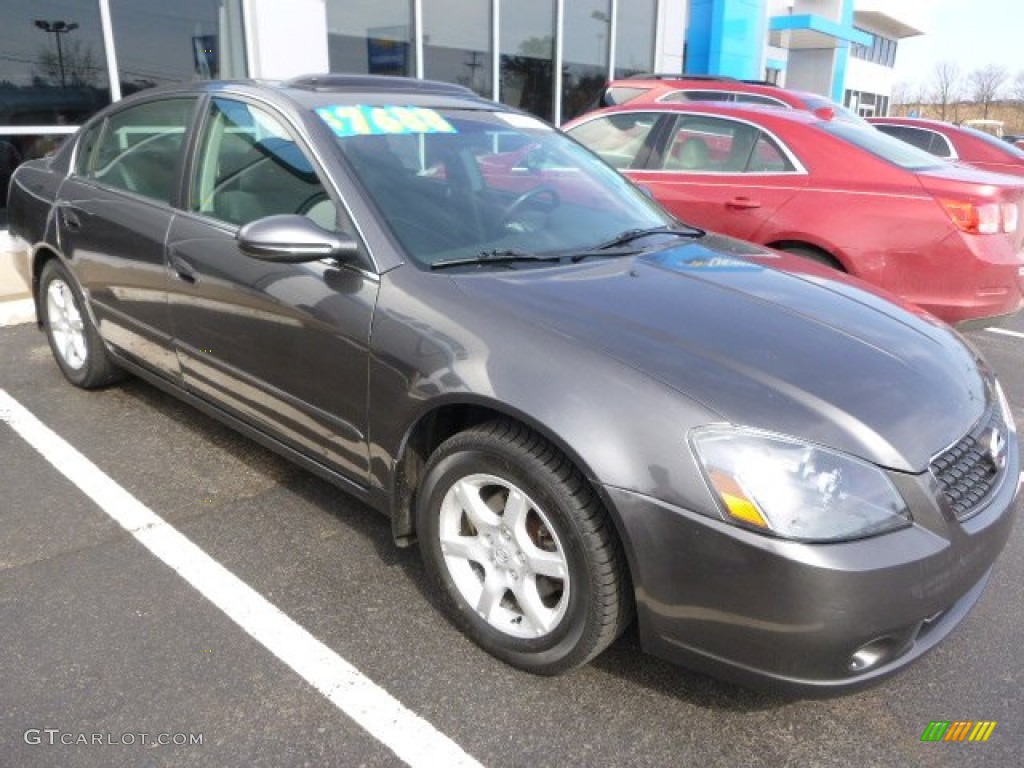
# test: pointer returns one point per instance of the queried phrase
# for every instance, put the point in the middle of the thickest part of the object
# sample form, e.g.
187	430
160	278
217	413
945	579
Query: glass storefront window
585	54
527	55
371	38
53	72
457	43
53	69
171	42
634	45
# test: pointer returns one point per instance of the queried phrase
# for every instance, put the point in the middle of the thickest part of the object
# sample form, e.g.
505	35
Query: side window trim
193	138
673	123
83	166
660	137
653	144
950	151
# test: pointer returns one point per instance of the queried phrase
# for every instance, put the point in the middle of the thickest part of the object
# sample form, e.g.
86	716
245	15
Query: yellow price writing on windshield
362	120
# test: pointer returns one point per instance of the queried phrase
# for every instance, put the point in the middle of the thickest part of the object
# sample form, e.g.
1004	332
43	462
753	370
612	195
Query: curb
16	305
17	312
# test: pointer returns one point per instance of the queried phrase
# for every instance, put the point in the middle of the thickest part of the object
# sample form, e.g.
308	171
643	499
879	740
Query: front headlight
796	490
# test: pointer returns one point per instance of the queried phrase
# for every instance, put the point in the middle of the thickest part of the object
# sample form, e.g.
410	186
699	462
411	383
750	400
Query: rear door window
139	148
621	139
704	144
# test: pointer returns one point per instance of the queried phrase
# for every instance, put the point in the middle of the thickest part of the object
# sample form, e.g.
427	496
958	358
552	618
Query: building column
726	37
286	40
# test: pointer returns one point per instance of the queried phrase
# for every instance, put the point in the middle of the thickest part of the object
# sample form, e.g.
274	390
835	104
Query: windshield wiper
614	247
635	234
493	257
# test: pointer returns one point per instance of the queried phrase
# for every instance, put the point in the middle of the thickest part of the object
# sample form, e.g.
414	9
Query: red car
686	89
955	142
945	237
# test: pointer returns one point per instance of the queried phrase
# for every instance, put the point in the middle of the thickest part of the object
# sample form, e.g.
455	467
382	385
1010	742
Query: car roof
668	83
754	112
310	91
688	80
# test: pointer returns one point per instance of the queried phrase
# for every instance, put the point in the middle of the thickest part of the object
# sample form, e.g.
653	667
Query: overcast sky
972	33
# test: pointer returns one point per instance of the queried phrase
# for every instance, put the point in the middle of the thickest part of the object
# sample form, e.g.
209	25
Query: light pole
606	21
58	28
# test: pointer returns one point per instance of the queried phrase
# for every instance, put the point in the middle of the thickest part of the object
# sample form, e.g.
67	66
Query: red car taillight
985	219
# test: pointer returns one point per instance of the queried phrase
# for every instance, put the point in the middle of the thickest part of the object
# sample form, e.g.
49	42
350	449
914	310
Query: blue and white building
844	49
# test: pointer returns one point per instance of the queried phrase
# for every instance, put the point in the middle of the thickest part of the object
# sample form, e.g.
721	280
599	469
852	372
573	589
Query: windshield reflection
469	182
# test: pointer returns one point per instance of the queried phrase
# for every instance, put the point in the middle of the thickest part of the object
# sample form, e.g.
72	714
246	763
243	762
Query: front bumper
810	619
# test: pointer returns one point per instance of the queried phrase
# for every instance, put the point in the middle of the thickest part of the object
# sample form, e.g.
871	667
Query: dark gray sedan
581	408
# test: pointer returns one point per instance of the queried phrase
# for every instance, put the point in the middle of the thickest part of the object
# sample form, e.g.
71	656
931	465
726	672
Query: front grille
971	469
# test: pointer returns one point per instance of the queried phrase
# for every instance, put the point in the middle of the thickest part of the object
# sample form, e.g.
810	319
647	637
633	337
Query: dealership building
62	60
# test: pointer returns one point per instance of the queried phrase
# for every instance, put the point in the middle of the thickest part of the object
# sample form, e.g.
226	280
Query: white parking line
404	732
1004	332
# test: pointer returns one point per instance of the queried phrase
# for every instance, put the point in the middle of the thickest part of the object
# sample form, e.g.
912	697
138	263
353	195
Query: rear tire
522	549
74	340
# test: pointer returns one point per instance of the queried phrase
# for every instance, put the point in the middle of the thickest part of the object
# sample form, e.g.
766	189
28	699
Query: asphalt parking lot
108	650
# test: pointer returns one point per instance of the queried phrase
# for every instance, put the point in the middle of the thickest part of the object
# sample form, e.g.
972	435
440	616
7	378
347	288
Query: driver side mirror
292	239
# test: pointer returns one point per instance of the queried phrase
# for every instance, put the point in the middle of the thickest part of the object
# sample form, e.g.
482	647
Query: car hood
798	353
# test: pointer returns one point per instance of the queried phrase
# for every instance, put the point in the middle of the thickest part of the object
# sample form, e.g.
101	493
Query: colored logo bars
958	730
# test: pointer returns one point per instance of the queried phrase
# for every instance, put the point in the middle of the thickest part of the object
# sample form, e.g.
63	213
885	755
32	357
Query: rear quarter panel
875	218
33	190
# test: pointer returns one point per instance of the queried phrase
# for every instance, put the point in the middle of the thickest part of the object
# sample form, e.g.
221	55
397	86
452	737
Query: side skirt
372	497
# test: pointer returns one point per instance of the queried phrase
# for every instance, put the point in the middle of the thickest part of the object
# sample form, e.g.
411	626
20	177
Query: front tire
522	549
74	340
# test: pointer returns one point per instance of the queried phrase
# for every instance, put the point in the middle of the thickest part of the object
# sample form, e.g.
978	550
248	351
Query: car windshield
457	184
893	150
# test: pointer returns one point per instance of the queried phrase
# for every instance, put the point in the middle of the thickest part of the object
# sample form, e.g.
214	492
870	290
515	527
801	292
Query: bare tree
902	98
947	86
920	97
1017	91
985	85
77	66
